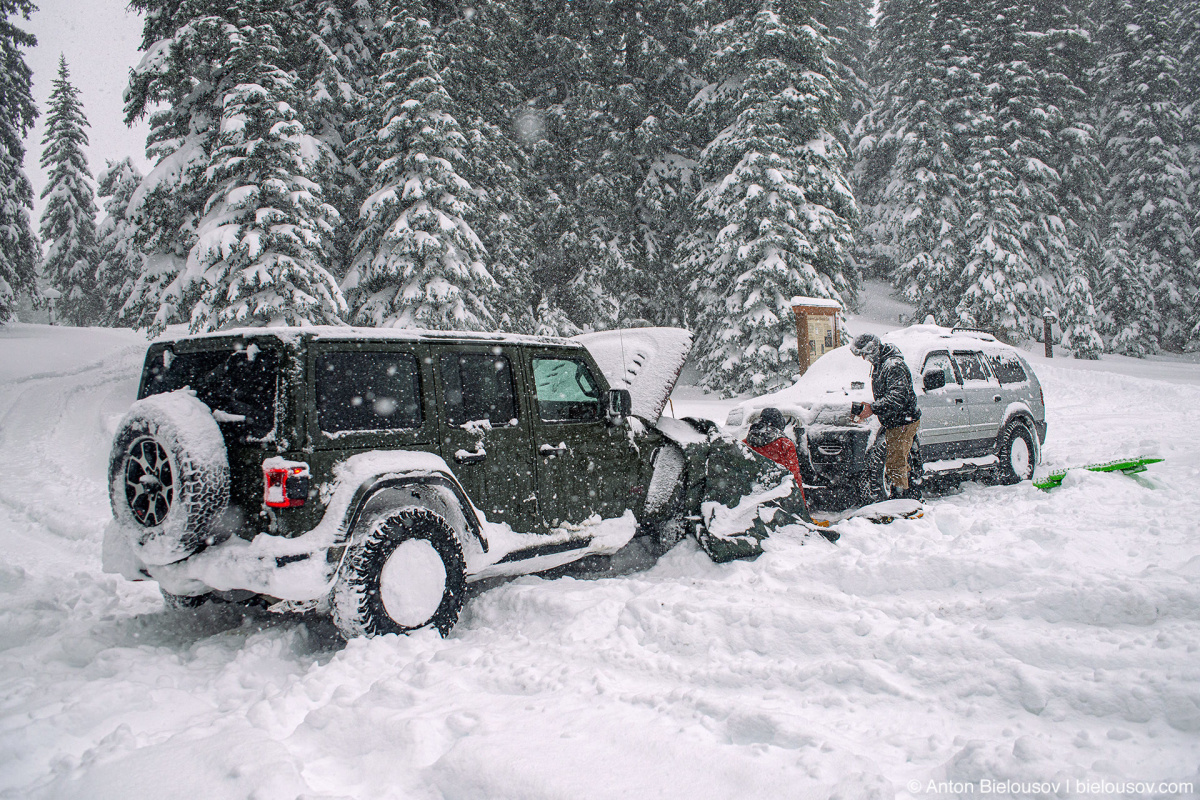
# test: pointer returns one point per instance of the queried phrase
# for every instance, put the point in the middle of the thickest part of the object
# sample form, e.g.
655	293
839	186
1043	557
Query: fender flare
1021	411
376	485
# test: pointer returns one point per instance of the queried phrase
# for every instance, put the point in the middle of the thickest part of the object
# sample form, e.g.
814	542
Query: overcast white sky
100	40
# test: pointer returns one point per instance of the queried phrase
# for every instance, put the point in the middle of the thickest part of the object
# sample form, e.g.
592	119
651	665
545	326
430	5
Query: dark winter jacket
895	400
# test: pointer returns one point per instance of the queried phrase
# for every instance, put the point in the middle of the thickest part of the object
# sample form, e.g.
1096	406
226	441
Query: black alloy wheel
149	481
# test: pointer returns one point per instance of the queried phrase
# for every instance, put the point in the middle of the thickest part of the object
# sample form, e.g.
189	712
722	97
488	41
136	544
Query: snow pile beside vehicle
1009	635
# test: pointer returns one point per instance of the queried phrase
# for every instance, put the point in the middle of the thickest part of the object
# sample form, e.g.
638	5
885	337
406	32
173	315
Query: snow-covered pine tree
606	83
478	43
1078	318
338	63
909	172
186	46
1129	316
418	262
774	216
119	261
1188	48
1149	237
69	218
231	175
1016	240
848	29
262	243
1070	50
18	245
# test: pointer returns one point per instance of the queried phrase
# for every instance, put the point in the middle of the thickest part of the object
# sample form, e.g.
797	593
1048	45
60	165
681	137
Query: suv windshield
238	383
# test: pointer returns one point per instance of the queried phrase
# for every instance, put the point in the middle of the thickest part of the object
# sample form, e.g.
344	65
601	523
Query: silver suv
982	413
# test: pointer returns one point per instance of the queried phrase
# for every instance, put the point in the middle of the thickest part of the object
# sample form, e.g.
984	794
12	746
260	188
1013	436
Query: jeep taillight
285	483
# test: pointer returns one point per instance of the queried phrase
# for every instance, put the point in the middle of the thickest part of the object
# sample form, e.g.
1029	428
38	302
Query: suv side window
1007	368
368	391
566	390
478	386
971	366
936	361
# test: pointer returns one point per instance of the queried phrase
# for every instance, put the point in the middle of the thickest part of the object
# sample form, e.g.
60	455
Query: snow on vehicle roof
346	332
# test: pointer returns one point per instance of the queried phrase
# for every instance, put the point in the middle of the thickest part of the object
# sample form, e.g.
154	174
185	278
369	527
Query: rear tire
407	573
1017	453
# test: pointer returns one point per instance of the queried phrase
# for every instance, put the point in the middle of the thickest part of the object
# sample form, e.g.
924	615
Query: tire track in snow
55	431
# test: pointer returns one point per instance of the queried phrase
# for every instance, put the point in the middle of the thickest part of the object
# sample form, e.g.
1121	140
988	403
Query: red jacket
783	452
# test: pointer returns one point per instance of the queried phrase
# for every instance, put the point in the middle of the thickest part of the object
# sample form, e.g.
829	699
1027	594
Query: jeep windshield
237	383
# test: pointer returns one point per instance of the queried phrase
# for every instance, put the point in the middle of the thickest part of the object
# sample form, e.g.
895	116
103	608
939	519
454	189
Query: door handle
467	457
552	450
995	398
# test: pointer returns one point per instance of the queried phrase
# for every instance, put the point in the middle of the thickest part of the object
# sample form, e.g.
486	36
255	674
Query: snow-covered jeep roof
347	332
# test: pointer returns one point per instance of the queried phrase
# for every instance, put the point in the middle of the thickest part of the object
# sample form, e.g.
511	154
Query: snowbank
1010	635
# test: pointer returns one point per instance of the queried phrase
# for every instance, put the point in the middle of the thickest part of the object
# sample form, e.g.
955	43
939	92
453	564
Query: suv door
584	465
484	431
944	420
983	396
367	395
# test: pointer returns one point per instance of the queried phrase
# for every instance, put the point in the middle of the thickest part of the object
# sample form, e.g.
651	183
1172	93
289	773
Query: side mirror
934	379
620	402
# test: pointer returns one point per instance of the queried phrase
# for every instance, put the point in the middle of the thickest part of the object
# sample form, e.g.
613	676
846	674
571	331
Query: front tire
1017	453
407	573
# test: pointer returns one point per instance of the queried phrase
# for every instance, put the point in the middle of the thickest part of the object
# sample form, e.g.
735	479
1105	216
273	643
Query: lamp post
1048	319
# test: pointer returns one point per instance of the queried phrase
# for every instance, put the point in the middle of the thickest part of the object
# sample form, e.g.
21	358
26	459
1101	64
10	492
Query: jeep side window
1007	368
941	361
366	390
566	390
971	366
478	386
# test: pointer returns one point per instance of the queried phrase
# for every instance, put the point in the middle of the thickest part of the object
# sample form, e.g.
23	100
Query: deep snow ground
1008	635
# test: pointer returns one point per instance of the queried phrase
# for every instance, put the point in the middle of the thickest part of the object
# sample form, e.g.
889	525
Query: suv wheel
406	573
1017	453
168	476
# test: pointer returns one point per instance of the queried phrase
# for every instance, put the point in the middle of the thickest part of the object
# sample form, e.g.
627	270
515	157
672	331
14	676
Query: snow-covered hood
646	361
823	395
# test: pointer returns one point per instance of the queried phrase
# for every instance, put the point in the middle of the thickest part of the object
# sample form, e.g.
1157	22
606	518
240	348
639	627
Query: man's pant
899	442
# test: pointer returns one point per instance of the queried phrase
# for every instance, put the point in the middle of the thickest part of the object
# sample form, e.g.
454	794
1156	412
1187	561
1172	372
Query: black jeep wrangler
373	473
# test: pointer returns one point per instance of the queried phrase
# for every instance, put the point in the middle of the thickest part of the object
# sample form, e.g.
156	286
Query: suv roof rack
967	329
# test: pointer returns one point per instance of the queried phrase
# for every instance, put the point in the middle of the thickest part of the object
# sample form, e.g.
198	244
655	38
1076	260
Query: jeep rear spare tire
406	573
168	477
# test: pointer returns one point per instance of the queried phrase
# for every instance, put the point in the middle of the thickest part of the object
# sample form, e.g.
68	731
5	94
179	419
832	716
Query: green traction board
1129	466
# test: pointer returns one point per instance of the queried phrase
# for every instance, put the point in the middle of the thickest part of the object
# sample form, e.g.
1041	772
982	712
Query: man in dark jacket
895	403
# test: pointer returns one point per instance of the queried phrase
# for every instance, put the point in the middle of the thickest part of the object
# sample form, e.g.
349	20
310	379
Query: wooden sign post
817	330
